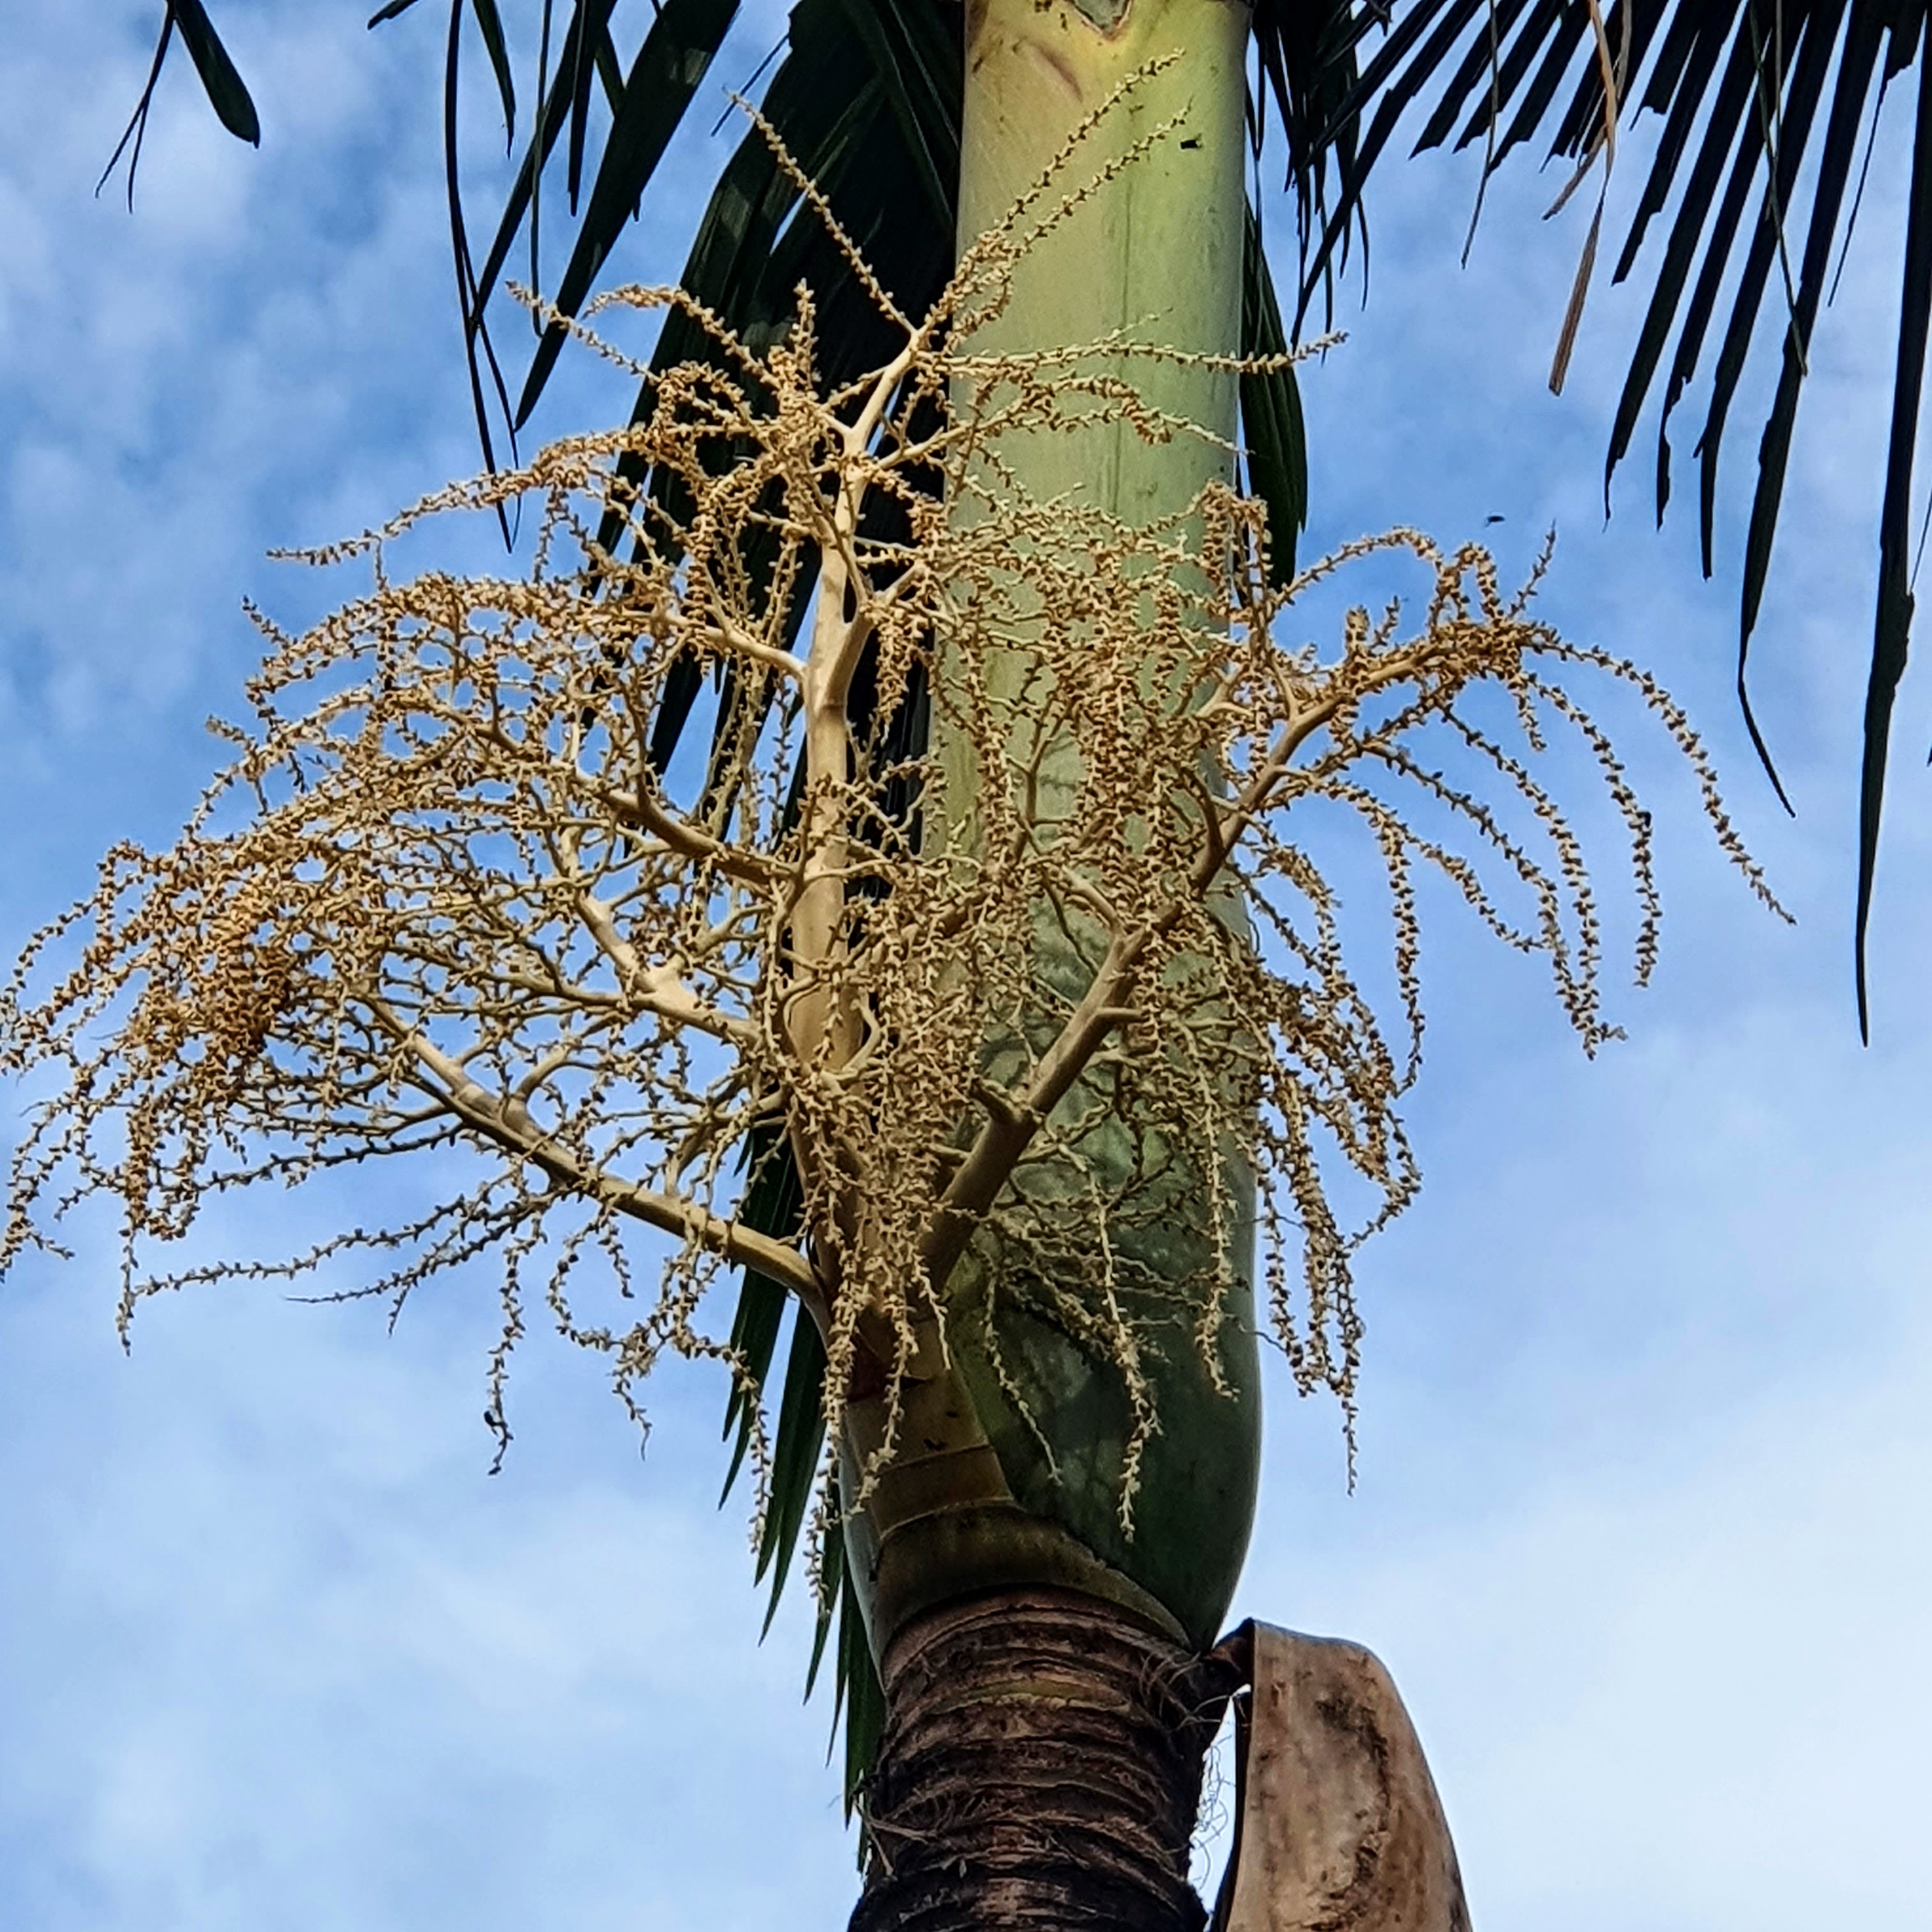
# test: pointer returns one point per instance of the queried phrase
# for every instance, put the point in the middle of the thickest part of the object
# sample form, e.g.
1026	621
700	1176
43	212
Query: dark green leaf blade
1272	435
1474	71
1892	628
1500	86
1392	80
489	24
226	94
1818	37
1856	70
1723	229
864	1695
593	29
1739	81
771	1205
797	1439
1567	32
675	55
1305	55
831	1606
1689	98
1725	120
912	58
553	116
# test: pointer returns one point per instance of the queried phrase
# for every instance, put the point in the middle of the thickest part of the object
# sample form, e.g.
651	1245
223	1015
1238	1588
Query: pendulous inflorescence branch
445	900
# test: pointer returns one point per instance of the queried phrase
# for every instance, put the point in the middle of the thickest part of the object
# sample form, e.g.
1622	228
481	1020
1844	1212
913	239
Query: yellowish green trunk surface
1012	1458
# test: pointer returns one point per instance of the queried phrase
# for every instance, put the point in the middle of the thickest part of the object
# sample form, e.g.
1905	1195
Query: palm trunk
1151	255
1041	1655
1155	254
1040	1771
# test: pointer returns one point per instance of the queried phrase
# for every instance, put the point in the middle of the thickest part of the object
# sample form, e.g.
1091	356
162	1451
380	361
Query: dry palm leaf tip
443	902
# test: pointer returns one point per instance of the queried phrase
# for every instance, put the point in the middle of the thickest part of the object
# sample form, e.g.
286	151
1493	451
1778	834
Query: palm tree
995	1563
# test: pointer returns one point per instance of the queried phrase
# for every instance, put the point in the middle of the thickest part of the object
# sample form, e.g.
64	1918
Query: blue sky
1646	1438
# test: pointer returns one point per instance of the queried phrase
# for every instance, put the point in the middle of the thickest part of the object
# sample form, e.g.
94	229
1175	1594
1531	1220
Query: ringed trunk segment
1040	1768
1015	1443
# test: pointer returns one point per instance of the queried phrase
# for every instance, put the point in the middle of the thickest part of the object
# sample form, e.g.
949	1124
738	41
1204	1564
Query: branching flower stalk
443	902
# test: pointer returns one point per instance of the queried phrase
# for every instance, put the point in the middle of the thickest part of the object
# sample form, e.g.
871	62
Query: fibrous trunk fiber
1041	1769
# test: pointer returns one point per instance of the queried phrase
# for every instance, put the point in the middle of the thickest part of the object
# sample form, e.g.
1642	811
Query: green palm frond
220	81
1769	111
1305	61
1275	446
